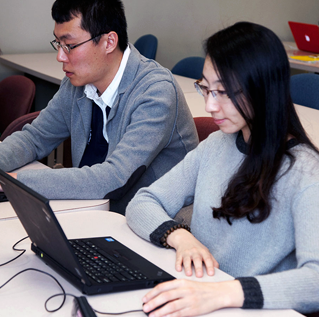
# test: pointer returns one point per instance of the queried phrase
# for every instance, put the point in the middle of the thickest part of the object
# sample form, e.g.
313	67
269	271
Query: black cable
13	248
120	313
64	294
96	311
39	271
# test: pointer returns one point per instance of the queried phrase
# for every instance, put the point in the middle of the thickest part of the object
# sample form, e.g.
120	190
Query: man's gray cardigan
150	130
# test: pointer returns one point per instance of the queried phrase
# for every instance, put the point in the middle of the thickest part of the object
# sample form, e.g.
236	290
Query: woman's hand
190	251
190	298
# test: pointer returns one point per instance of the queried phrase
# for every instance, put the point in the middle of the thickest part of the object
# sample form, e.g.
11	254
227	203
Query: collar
243	147
109	95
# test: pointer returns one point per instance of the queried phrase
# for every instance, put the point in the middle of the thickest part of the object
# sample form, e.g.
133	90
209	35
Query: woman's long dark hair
251	57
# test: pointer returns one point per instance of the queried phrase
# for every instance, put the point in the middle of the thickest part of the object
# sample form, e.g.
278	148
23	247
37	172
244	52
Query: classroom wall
26	26
182	25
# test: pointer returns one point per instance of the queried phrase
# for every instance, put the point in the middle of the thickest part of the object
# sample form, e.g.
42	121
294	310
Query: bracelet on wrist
169	231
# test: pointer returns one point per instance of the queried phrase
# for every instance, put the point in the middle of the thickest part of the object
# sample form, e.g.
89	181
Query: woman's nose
211	104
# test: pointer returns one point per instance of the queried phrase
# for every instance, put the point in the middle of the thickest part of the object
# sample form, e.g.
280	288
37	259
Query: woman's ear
111	42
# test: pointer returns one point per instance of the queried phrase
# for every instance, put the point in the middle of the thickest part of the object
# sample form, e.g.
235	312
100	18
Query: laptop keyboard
102	267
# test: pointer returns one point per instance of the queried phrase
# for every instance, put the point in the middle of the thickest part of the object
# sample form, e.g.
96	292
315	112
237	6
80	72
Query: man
127	117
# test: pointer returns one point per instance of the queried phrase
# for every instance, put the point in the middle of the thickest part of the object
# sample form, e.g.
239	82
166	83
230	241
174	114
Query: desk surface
41	65
291	49
46	67
7	212
29	291
59	206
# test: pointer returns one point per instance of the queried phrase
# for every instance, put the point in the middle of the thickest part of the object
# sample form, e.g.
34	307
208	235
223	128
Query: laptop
93	265
306	36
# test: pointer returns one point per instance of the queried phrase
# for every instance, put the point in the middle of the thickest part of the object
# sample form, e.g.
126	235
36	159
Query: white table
46	67
58	206
28	292
291	49
41	65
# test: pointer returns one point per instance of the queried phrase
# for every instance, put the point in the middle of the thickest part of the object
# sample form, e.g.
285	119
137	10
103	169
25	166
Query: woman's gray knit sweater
281	253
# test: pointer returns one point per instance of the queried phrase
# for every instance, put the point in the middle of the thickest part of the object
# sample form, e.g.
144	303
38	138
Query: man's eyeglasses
67	47
219	95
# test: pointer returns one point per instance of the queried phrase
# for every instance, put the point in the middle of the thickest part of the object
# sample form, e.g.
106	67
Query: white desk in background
187	84
41	65
27	293
58	206
291	49
45	66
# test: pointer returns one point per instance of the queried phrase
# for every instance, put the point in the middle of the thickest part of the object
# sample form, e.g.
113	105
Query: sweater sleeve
153	119
298	288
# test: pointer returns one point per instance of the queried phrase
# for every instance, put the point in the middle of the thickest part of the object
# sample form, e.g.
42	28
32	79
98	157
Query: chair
304	89
16	98
191	67
316	314
18	124
205	126
147	45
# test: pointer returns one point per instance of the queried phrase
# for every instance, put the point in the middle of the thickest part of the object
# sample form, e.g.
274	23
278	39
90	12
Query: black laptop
93	265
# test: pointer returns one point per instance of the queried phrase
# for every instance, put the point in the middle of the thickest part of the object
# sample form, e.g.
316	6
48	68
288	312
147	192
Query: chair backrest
147	45
18	124
205	126
191	67
304	89
16	98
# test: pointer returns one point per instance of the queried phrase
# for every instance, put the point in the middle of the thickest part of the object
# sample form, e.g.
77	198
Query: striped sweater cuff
252	293
158	233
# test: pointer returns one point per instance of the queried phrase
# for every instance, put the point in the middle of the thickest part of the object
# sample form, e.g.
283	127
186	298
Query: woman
254	186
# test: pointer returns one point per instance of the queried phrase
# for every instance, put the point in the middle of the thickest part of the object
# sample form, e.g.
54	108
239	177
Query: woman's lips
219	121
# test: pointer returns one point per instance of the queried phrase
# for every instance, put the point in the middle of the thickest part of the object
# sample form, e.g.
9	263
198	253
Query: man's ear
112	41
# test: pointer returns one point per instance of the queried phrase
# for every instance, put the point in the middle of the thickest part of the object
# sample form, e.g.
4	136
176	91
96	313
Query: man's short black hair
98	17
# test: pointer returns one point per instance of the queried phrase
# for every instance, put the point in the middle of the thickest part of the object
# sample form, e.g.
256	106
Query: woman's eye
222	92
204	88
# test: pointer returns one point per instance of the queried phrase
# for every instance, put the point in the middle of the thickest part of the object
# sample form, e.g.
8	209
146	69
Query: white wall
180	25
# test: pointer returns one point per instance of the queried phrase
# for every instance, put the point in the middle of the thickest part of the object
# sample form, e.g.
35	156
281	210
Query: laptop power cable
81	307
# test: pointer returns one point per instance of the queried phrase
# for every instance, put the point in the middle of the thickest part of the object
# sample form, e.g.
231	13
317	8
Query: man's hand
14	175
